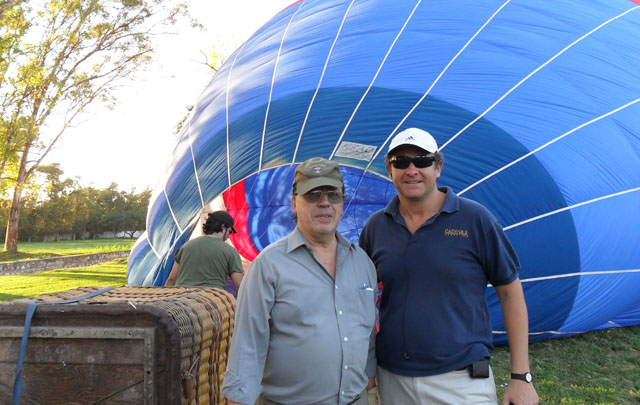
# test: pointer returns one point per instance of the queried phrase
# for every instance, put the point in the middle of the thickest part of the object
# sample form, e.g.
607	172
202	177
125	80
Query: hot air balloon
535	104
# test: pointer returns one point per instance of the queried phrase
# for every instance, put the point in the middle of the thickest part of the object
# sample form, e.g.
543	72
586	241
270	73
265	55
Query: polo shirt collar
451	203
295	240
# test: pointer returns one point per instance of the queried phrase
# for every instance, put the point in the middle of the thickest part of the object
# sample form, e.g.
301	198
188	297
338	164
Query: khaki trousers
452	388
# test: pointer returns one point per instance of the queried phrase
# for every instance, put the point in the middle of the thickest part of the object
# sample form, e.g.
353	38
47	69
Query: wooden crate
128	345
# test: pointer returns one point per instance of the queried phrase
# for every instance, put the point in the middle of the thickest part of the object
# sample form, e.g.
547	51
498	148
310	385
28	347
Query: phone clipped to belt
480	368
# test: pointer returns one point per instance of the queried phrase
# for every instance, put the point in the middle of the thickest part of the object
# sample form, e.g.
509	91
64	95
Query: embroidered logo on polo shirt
456	232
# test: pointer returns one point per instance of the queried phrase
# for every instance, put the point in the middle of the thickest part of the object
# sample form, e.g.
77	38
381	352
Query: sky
131	145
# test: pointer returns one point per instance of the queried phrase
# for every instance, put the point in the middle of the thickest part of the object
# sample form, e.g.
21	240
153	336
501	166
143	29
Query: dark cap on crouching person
317	172
221	217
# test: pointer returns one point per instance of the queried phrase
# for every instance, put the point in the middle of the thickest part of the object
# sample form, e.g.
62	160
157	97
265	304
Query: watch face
528	377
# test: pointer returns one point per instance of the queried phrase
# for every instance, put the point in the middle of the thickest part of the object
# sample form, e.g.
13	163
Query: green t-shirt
206	262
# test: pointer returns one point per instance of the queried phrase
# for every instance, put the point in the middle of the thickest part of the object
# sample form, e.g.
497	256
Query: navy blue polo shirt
433	312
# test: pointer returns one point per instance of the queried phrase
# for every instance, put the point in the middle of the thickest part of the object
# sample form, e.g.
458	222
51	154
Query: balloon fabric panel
535	106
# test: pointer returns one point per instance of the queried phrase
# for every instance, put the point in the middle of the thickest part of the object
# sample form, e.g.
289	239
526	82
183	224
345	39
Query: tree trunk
11	239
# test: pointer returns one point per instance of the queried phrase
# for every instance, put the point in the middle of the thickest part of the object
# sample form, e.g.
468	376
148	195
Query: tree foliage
58	57
61	208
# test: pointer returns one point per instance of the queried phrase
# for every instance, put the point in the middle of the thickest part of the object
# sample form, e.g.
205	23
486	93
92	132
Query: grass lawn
106	274
599	367
41	250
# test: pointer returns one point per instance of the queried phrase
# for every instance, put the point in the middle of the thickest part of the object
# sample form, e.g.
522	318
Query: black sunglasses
420	161
334	197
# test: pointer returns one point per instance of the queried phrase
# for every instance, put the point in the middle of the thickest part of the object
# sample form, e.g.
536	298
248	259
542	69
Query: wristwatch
526	377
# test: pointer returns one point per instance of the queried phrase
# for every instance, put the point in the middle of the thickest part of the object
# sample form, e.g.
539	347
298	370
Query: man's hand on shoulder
520	393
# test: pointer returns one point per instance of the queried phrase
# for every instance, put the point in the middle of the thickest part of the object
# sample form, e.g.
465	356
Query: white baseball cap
414	136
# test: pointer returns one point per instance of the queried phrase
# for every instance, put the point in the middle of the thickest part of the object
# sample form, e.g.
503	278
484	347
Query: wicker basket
126	345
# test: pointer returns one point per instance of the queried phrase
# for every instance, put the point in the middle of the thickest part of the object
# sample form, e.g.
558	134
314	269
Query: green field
41	250
599	367
111	273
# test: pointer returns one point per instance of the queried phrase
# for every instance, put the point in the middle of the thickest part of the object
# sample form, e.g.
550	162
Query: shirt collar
451	200
295	240
451	203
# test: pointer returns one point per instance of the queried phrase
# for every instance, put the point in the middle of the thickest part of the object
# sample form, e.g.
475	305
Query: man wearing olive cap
304	326
206	261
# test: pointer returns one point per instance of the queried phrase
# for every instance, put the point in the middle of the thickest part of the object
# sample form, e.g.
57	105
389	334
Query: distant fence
61	262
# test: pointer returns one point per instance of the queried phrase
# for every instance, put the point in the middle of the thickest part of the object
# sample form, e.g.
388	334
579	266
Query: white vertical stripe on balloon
173	245
173	215
527	77
434	83
631	190
195	168
578	274
444	70
379	149
547	144
344	131
551	332
153	249
273	81
226	112
558	276
584	273
324	69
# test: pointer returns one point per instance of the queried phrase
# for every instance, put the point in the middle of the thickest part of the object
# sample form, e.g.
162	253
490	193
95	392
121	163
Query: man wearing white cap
435	252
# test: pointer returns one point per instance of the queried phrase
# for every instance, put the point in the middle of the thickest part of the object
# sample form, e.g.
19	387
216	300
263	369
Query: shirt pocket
366	306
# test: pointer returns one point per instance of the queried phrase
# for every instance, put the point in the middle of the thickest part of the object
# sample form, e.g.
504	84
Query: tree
84	51
83	201
31	221
13	26
110	207
135	211
57	210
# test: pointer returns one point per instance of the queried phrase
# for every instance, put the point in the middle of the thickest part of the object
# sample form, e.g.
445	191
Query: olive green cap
317	172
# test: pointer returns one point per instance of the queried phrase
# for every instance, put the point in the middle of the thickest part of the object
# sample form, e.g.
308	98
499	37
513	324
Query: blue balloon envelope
535	105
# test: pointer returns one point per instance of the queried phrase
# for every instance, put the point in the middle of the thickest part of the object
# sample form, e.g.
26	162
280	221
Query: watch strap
526	377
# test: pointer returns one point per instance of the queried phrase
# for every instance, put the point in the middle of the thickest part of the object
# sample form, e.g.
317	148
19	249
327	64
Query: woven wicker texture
204	317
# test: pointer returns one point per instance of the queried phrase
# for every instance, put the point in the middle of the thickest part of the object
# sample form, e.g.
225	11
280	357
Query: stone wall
62	262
